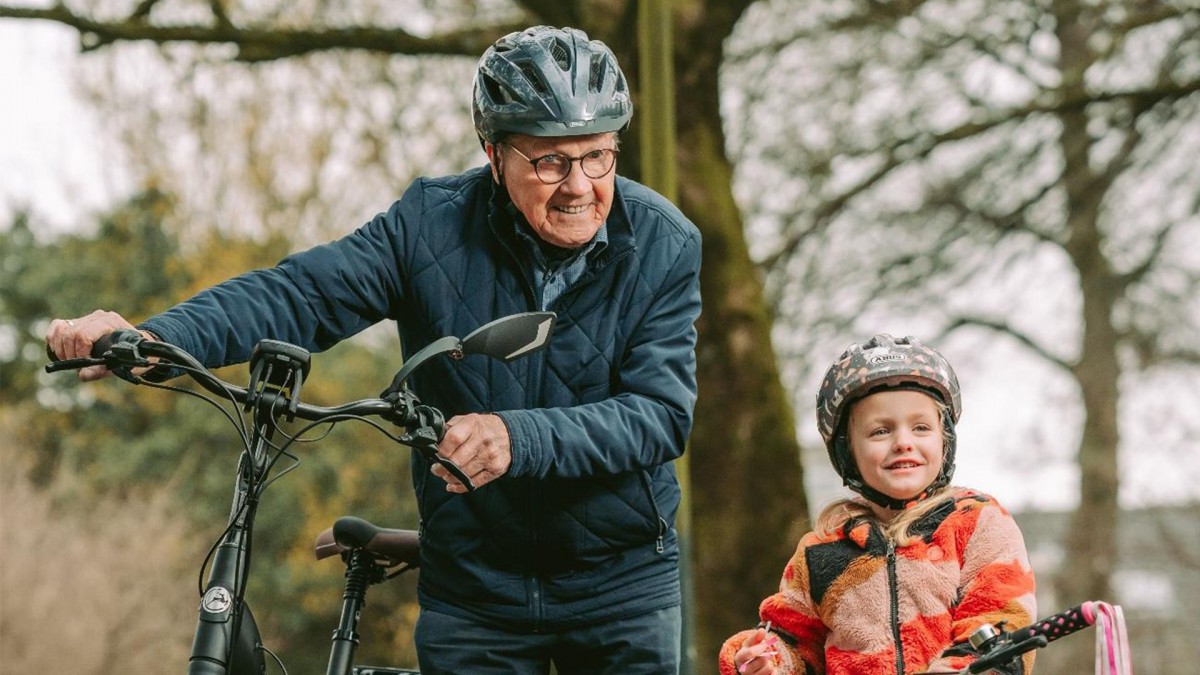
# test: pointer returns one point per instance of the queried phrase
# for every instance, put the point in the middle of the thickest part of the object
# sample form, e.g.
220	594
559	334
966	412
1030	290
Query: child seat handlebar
1000	647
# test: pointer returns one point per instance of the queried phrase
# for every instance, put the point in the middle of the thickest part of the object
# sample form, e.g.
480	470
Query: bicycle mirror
512	336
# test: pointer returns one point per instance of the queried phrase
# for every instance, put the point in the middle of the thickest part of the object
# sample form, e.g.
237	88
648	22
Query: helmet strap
495	164
877	497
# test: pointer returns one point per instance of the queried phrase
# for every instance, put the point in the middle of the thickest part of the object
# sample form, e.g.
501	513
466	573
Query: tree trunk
747	489
748	495
1091	544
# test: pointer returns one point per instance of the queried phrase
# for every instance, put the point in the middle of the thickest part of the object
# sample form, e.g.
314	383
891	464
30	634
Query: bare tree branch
219	13
1015	220
910	149
1148	14
142	11
265	44
1146	344
1006	329
1156	249
875	15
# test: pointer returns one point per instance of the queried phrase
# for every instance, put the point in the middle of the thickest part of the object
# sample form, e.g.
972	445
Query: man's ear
493	159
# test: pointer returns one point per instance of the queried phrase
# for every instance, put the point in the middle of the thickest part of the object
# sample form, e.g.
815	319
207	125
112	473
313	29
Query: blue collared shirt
552	278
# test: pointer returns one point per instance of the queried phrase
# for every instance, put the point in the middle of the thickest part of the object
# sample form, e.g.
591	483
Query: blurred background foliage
113	444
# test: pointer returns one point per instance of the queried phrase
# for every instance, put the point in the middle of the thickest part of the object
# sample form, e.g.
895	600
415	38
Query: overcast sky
54	158
50	157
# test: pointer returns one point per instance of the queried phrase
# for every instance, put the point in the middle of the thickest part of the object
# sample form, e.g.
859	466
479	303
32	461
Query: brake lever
71	364
426	427
424	440
1007	653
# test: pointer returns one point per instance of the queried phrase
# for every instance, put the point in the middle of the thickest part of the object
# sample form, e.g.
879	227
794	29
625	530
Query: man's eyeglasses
554	168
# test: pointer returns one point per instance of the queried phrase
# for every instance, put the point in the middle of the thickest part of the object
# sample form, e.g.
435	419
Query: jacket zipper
535	582
660	541
894	596
660	544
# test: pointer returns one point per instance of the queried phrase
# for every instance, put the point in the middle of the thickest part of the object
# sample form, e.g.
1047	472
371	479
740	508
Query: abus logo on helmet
886	357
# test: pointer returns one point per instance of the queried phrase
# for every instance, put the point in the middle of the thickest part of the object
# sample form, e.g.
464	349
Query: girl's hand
757	654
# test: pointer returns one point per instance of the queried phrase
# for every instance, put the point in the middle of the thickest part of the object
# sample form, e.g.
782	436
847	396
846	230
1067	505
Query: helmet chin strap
877	497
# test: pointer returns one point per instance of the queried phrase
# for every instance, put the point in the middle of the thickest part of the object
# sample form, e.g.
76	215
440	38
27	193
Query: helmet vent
534	77
598	72
561	53
496	91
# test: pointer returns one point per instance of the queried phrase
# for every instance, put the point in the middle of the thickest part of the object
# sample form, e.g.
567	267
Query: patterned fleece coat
854	603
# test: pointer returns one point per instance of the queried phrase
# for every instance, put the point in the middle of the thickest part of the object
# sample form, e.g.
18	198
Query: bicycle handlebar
123	350
1000	648
127	349
1058	625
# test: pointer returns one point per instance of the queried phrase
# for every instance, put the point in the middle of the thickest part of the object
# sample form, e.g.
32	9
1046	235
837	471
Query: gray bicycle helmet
547	81
880	363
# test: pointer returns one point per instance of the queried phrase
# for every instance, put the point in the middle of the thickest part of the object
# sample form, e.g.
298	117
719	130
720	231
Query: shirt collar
544	258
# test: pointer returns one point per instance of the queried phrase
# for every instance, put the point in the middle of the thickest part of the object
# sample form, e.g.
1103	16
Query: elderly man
566	553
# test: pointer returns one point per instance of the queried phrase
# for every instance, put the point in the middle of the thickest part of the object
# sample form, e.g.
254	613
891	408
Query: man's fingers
73	338
93	373
478	445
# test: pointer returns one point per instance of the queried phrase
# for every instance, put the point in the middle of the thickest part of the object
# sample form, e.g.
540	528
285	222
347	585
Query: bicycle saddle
350	533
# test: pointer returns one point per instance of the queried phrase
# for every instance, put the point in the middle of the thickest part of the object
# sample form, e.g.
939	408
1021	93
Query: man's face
566	213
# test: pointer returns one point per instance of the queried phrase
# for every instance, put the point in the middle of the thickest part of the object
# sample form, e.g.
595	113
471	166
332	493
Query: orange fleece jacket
845	598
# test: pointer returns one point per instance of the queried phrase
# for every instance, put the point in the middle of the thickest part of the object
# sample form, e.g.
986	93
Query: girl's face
896	440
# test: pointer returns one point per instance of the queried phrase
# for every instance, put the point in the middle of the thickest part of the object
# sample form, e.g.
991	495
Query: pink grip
1058	625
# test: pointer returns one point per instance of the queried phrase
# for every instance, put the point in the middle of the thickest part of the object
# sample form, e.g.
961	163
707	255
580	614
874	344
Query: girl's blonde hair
837	513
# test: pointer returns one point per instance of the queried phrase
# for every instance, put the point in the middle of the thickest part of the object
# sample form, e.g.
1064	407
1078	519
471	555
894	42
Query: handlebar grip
1058	625
122	336
100	348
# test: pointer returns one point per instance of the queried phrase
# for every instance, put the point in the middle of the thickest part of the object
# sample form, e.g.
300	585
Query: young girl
893	581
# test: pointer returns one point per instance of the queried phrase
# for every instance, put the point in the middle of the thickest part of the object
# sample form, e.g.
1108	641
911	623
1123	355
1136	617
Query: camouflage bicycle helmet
547	81
879	363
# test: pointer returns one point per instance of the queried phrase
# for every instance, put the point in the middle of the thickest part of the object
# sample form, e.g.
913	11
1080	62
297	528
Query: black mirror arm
441	346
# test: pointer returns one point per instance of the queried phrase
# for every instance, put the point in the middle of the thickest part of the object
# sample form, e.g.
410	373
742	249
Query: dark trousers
649	644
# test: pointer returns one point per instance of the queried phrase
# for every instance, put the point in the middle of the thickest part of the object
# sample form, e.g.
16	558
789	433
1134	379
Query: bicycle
999	647
227	639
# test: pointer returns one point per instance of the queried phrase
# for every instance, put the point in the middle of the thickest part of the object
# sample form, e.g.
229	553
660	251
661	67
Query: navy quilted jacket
581	530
